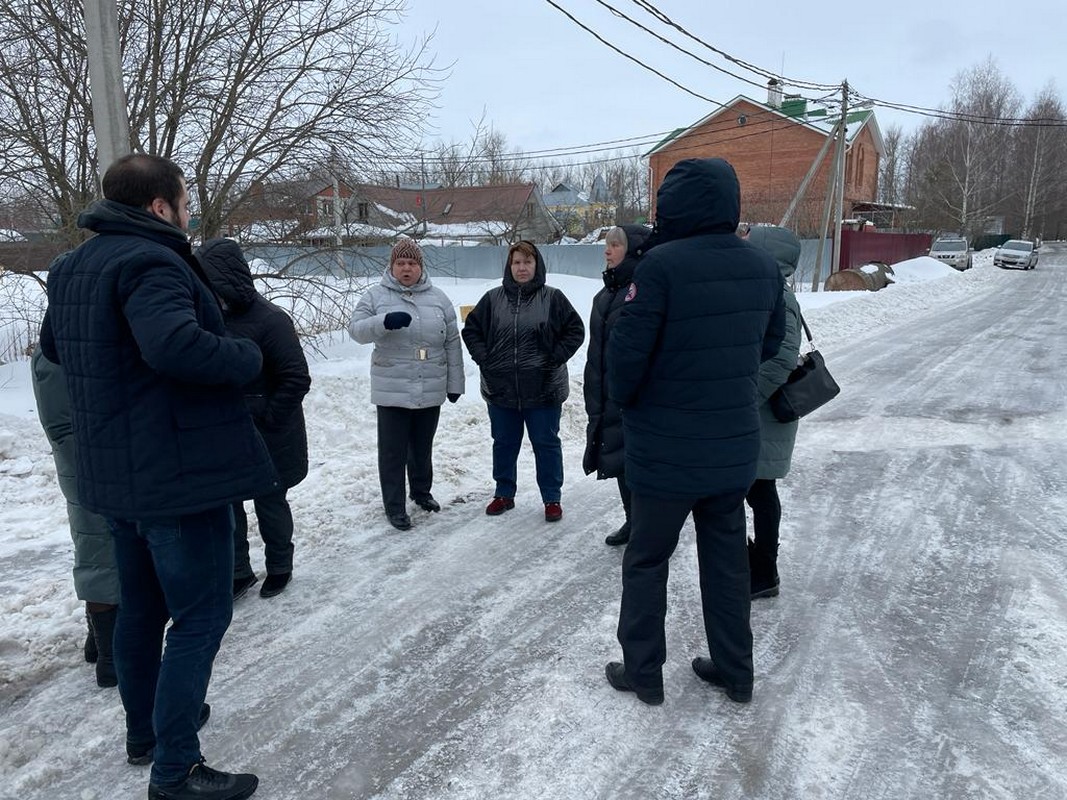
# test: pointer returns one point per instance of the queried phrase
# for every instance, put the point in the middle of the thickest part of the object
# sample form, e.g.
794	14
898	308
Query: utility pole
831	186
835	263
111	122
834	187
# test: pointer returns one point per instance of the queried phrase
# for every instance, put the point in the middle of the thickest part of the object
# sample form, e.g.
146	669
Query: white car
1016	254
955	252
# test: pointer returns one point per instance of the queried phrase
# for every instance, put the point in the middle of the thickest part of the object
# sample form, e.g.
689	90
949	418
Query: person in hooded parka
603	436
275	399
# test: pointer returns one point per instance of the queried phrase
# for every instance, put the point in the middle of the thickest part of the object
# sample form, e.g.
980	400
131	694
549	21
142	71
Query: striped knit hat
406	248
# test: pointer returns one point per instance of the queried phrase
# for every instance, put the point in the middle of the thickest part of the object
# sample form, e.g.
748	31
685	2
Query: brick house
304	211
457	215
286	210
772	146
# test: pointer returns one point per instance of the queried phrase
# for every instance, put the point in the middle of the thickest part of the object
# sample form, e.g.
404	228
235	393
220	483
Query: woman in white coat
417	364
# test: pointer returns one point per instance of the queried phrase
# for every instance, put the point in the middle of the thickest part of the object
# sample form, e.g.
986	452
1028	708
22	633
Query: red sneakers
553	512
499	506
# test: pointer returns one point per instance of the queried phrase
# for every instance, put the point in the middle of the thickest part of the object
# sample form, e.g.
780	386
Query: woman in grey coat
417	364
777	438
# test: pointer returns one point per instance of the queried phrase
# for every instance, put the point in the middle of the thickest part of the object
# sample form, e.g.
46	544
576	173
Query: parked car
1016	254
952	251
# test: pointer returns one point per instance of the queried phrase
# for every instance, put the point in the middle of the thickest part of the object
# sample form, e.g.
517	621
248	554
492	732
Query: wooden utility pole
835	263
111	121
835	187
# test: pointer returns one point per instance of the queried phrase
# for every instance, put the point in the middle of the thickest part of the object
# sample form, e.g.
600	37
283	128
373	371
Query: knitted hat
406	248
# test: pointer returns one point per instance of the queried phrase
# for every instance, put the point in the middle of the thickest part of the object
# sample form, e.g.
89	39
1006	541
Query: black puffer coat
160	425
276	395
603	434
684	355
521	336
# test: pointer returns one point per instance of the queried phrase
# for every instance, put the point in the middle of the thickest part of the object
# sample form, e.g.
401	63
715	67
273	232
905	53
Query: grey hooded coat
777	438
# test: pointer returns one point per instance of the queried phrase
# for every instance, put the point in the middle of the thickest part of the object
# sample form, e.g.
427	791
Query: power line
680	49
655	12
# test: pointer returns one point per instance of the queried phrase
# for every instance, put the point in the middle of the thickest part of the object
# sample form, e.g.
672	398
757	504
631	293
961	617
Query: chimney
774	93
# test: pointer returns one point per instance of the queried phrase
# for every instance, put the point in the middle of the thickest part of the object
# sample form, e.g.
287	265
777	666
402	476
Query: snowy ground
916	650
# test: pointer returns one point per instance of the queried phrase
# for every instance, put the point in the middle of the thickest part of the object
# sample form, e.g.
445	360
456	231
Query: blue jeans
542	426
178	569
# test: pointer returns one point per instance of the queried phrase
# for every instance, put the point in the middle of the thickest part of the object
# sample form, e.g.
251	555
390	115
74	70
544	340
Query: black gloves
397	319
453	397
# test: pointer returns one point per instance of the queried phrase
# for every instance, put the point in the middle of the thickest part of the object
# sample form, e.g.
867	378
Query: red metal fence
863	247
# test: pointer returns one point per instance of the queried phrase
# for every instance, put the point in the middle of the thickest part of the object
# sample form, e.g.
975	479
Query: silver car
1016	254
952	251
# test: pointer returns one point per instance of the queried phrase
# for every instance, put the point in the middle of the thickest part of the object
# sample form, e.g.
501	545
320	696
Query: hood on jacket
698	195
623	272
636	236
228	272
536	282
109	217
781	243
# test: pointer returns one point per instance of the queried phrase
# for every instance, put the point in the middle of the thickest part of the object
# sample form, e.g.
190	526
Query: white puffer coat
416	366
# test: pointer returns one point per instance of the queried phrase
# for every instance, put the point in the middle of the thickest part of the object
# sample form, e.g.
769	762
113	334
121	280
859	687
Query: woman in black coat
603	435
521	335
275	400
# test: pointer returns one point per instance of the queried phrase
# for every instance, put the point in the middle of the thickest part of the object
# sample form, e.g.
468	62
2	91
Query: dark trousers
627	497
762	498
542	426
179	569
275	528
655	524
405	443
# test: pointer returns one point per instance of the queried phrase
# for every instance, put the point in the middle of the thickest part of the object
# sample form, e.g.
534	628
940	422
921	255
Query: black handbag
808	387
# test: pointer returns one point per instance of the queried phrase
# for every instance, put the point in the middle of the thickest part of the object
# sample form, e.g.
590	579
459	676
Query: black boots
707	671
764	572
615	672
400	520
427	503
103	627
242	585
621	536
275	584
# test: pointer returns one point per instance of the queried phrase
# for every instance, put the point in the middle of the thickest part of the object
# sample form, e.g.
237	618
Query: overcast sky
546	83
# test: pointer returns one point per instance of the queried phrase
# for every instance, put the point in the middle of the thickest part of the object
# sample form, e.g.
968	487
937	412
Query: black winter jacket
603	434
684	356
160	424
276	395
521	336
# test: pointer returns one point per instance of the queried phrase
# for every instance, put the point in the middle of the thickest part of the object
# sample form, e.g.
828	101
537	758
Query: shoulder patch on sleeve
631	293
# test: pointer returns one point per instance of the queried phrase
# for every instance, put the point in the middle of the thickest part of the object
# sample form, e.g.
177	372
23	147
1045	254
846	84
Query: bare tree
959	164
891	165
1040	155
233	92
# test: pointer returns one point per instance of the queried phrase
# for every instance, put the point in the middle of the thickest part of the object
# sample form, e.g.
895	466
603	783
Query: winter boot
205	783
621	536
89	648
104	635
764	572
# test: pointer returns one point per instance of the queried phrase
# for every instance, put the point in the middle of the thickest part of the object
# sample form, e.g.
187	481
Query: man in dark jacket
704	310
164	446
275	399
603	434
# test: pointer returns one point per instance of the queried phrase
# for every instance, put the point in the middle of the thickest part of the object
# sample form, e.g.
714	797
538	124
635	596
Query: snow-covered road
916	651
